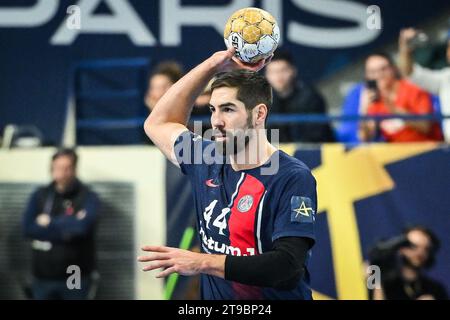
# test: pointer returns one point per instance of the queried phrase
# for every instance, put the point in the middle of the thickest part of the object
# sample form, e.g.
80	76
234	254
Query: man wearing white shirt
435	81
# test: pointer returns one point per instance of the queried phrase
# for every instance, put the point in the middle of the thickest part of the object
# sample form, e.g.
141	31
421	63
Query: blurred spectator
387	94
162	78
347	131
435	81
294	96
402	261
60	220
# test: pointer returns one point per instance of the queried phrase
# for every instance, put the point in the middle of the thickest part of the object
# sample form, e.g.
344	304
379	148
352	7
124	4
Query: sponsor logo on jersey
245	203
210	183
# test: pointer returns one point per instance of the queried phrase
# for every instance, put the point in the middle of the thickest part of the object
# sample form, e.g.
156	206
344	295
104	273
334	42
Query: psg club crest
245	203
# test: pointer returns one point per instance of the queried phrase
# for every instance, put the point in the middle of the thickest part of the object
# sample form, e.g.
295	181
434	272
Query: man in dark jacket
294	96
60	220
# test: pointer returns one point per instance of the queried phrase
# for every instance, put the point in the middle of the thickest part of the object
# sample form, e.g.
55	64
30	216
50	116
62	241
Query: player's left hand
184	262
226	61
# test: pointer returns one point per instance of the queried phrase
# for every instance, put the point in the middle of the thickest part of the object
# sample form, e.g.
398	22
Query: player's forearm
273	269
214	265
242	269
176	105
280	268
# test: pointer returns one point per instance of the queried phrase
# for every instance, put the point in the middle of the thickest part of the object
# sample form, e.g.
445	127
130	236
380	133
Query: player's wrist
213	64
213	264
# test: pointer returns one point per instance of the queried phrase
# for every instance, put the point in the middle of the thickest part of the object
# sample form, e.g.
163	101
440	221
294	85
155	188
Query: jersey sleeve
297	206
192	151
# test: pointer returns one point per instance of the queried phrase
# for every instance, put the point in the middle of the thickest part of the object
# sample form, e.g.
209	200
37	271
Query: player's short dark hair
66	152
253	88
171	69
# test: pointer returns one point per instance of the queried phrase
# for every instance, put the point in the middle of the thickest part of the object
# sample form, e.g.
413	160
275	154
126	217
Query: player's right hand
225	61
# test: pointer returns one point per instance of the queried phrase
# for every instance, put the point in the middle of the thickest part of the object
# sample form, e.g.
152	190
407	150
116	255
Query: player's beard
240	137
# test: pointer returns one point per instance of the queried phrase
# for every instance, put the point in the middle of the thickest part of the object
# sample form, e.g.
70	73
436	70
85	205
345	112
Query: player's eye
228	110
211	109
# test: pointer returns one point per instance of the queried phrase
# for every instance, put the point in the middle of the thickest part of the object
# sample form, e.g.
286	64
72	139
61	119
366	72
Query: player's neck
257	152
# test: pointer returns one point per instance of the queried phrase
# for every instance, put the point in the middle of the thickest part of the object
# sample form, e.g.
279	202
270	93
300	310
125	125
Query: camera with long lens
385	254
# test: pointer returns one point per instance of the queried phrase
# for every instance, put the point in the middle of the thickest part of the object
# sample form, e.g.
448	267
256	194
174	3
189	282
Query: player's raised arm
171	114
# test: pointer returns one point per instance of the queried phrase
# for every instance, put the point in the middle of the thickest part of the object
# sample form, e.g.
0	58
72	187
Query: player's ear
260	114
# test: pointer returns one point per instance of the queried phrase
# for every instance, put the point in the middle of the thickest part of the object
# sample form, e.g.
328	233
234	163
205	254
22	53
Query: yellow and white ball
254	33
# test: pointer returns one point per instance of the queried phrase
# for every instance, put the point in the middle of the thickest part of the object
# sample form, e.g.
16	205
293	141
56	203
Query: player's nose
217	121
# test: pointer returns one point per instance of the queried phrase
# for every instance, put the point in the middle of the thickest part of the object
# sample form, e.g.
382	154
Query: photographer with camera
403	260
434	81
386	93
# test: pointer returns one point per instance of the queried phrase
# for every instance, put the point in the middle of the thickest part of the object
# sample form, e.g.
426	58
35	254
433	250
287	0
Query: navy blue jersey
242	213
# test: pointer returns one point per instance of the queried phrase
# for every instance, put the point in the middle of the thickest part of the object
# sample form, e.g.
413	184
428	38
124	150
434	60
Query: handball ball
254	33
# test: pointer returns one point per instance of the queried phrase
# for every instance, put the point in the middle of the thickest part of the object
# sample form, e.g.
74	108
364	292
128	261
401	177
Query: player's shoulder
191	138
200	146
293	169
192	149
290	164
